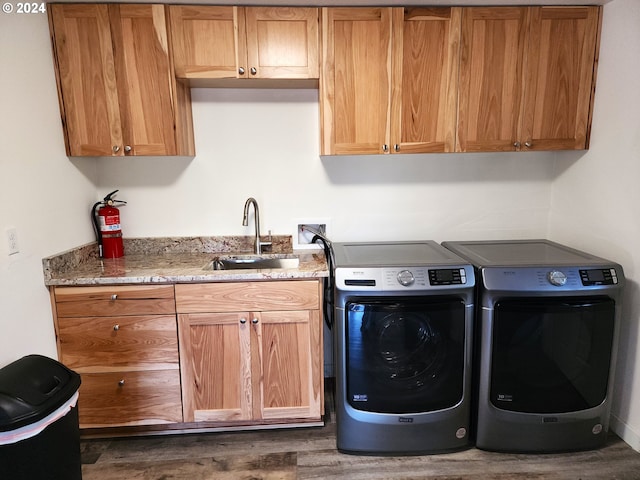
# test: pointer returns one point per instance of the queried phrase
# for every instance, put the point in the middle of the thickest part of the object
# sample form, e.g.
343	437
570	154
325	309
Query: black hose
96	227
328	303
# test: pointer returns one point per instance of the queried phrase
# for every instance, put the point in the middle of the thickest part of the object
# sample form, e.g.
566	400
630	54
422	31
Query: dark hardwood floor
310	453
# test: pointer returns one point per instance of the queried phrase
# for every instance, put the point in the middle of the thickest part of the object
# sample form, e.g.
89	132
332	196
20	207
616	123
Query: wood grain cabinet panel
233	297
356	78
127	342
123	340
117	92
394	94
282	42
560	72
218	42
426	44
116	300
526	78
130	398
251	366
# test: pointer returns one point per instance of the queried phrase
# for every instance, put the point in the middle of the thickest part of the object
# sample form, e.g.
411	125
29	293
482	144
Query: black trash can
39	434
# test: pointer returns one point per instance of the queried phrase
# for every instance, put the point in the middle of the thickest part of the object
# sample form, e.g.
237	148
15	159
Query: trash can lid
33	387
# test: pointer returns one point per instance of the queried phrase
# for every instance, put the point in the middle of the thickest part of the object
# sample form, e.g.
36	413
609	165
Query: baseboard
625	432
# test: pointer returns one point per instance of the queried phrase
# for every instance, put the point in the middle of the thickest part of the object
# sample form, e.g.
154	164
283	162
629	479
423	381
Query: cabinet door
87	87
207	42
282	42
491	63
560	74
215	365
426	45
355	86
288	353
144	78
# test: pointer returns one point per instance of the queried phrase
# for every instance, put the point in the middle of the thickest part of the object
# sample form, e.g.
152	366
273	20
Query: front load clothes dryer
547	319
404	314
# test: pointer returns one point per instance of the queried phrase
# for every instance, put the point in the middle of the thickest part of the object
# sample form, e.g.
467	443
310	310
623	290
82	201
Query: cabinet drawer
108	343
247	296
113	301
130	398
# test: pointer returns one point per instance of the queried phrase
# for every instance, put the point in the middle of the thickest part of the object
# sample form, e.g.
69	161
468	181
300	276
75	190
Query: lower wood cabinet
128	360
251	352
148	397
237	353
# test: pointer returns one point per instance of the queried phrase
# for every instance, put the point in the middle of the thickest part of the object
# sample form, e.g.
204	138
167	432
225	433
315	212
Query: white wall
265	144
596	202
43	195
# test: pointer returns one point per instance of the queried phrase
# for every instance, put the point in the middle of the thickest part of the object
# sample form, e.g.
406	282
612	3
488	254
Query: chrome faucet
256	216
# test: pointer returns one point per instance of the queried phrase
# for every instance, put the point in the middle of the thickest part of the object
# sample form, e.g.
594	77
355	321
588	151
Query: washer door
405	355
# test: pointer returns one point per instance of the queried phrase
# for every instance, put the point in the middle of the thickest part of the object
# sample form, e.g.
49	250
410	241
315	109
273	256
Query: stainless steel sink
247	262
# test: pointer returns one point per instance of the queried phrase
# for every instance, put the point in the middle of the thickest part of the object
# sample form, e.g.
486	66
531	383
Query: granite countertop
174	260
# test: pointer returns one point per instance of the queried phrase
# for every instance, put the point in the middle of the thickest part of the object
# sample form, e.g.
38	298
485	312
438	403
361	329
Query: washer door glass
405	355
551	355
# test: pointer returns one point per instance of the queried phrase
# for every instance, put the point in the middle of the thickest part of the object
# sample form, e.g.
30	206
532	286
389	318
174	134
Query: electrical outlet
12	241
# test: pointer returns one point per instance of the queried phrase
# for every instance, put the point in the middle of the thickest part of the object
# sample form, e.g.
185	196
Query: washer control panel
409	277
557	278
403	278
448	276
599	276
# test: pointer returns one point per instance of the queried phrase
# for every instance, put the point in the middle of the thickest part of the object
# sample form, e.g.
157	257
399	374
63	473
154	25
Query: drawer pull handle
254	321
114	296
121	383
243	321
116	327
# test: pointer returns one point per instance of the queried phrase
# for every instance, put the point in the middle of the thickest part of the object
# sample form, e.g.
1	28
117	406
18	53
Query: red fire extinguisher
106	223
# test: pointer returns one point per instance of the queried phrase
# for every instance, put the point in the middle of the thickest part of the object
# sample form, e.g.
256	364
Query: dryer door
405	355
551	355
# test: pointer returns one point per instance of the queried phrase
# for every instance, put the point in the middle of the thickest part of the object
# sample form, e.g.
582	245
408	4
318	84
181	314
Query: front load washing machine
547	320
403	330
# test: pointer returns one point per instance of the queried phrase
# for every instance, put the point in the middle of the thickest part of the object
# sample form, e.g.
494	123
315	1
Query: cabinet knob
243	321
116	148
253	70
121	382
127	148
396	147
116	327
528	144
241	70
516	144
114	296
254	321
385	148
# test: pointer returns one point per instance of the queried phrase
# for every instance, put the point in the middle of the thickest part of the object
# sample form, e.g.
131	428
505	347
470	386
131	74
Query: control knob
406	278
557	278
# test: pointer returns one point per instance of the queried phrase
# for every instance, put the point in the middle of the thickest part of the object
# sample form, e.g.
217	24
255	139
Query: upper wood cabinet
526	78
217	42
117	92
426	45
389	80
